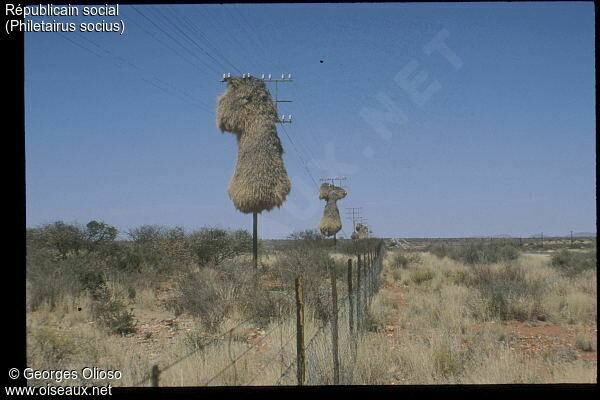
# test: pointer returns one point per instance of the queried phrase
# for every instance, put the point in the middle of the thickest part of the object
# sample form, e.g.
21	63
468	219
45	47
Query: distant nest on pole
331	222
260	181
362	231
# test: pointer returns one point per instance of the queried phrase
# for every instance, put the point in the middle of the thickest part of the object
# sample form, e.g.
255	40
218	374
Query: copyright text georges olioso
60	377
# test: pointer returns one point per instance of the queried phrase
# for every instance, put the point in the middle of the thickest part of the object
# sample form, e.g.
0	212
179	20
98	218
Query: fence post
350	296
365	288
300	356
365	263
358	295
154	375
334	330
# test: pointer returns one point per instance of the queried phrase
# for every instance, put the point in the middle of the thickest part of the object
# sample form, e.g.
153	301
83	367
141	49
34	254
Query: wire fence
329	356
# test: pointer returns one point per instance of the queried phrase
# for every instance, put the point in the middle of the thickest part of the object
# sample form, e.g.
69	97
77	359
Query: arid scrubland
192	304
521	320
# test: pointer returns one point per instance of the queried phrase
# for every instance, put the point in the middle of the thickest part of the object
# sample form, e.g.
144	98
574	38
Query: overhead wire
190	100
191	40
259	44
194	28
178	42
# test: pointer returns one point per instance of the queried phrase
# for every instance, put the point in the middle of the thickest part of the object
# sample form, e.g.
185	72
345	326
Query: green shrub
50	345
585	343
265	306
478	252
445	361
50	280
59	236
421	275
110	310
308	234
404	259
205	294
507	292
214	245
572	263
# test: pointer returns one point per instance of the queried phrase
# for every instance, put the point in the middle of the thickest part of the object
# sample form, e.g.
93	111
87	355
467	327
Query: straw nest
362	231
260	181
331	222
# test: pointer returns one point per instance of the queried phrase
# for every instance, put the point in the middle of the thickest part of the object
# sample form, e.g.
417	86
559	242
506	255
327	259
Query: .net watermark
60	376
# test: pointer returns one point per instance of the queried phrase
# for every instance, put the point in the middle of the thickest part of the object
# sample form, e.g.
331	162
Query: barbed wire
343	305
201	347
244	353
271	359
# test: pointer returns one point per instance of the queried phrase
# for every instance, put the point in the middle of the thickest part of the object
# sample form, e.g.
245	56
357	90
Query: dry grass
438	330
447	333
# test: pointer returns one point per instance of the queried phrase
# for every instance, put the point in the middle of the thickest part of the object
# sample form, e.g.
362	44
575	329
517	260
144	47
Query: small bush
404	259
473	253
507	292
110	310
50	280
572	263
264	306
205	294
51	345
585	343
445	362
419	276
308	234
214	245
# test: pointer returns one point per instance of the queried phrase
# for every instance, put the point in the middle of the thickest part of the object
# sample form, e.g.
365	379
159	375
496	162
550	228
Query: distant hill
584	234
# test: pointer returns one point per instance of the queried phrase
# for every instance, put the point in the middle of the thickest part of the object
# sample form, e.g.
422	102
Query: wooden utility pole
255	240
334	330
358	295
300	354
571	239
350	297
353	213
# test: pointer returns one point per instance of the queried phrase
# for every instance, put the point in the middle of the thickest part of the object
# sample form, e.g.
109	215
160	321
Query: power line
194	28
190	98
186	36
300	157
174	39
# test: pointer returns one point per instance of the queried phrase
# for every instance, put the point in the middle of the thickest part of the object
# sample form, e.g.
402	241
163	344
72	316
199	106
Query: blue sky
492	134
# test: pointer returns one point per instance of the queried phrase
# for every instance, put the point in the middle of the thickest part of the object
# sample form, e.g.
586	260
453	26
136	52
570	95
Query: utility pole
571	239
280	120
353	213
337	178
